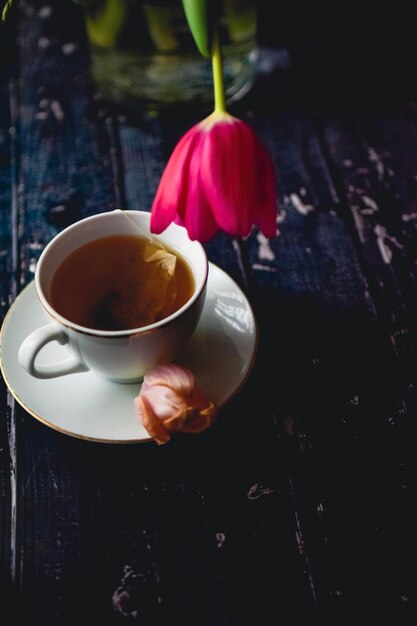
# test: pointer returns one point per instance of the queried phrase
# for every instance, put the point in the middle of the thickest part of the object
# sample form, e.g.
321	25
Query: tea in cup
122	300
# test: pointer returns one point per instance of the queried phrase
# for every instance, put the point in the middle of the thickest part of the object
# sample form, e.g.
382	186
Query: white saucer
221	354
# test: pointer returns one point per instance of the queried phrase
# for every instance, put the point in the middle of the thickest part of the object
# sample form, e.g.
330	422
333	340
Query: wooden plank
371	159
65	174
8	461
332	360
376	174
9	465
66	171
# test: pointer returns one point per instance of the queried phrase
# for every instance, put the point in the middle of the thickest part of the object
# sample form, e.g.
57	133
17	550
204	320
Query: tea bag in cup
150	299
144	296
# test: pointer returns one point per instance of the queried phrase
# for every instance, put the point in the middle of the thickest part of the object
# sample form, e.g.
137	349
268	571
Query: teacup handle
32	345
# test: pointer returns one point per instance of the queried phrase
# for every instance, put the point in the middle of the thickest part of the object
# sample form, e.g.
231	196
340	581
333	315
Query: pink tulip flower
170	401
219	176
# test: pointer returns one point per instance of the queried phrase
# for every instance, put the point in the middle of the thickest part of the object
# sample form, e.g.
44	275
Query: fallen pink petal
170	401
219	177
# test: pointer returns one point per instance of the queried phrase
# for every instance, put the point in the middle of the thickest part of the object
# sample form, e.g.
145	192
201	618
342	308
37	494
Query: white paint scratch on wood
239	260
11	432
57	110
408	217
45	11
43	43
121	597
263	268
281	216
11	403
377	162
372	206
69	47
385	251
300	544
299	205
265	252
257	491
383	241
357	218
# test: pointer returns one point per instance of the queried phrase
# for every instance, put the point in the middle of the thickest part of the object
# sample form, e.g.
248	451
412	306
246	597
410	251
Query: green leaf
198	14
160	26
104	27
6	8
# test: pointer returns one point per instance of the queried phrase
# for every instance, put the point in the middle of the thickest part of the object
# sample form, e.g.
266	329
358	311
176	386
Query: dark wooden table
297	506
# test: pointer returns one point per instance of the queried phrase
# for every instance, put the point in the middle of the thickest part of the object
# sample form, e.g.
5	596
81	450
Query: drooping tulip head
219	177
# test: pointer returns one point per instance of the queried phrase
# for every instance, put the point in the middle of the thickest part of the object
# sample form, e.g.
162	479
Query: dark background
344	54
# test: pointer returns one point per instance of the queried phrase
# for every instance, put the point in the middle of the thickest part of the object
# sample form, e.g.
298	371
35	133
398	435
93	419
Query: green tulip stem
218	77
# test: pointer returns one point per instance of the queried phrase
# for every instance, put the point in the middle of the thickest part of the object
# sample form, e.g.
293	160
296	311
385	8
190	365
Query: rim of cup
141	330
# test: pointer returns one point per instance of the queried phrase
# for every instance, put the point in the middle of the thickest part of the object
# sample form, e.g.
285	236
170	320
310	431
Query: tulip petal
231	178
239	162
164	400
204	417
219	176
180	195
170	401
198	215
173	183
153	425
177	377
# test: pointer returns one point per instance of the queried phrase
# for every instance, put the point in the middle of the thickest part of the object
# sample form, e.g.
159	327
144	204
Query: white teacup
118	355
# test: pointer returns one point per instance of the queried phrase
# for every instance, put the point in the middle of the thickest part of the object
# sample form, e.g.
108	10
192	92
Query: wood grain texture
296	507
375	167
8	291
